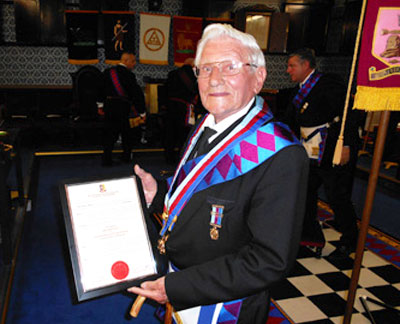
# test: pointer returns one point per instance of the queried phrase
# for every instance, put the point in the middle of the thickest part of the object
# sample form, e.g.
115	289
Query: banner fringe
377	99
112	62
83	62
142	61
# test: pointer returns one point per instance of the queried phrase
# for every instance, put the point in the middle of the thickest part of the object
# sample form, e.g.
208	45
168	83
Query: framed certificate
108	235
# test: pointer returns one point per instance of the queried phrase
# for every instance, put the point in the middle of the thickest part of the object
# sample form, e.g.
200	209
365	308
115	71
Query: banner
378	78
82	36
154	38
119	34
187	31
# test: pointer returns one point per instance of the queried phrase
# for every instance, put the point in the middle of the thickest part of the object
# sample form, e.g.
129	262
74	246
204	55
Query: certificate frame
79	221
258	25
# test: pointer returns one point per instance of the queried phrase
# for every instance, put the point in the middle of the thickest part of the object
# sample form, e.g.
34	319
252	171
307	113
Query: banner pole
369	199
339	144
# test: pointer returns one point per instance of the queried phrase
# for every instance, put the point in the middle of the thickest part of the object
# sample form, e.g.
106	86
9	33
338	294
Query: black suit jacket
263	213
325	102
132	90
182	85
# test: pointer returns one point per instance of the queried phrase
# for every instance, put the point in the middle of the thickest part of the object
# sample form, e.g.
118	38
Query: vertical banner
82	36
187	31
119	34
154	38
378	78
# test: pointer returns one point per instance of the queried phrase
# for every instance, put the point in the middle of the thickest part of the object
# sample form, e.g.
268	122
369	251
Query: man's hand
345	158
152	289
148	182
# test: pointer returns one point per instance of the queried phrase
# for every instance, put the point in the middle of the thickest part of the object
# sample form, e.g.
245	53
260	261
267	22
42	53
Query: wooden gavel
137	305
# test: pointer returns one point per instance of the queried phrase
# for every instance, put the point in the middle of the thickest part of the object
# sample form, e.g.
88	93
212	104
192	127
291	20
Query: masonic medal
214	234
161	244
164	238
217	212
305	106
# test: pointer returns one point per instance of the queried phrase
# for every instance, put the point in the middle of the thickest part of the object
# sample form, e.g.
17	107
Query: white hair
214	31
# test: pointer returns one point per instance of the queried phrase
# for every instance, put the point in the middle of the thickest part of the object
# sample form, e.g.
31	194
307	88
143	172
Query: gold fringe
143	61
377	99
83	62
112	62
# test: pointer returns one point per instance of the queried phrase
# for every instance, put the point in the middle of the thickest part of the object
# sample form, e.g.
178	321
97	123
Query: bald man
124	97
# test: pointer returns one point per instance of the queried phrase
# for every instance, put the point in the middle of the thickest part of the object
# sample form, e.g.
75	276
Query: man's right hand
148	182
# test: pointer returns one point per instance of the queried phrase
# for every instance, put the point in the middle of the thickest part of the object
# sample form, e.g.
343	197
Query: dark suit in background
118	105
183	99
324	103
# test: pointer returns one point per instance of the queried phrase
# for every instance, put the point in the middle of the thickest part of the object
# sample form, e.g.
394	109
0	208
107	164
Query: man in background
314	110
123	99
183	108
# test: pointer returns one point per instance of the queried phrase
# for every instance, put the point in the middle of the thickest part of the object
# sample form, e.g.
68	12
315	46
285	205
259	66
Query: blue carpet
384	213
43	290
385	210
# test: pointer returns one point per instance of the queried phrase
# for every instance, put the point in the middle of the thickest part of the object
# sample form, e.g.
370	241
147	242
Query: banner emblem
154	39
386	43
378	70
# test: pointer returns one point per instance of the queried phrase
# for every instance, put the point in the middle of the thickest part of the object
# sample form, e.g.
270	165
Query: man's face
297	69
223	95
129	60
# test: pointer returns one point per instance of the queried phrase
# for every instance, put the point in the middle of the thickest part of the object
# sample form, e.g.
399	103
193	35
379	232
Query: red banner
378	79
187	32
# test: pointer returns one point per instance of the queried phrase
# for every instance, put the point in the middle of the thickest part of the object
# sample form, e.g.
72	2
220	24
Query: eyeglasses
226	68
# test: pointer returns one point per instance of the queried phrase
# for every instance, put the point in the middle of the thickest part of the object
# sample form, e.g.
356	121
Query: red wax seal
120	270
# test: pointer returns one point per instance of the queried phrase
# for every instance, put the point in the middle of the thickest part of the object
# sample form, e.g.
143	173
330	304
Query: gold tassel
137	305
338	151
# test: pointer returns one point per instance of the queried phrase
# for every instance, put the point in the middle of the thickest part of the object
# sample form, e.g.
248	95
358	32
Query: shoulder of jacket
331	77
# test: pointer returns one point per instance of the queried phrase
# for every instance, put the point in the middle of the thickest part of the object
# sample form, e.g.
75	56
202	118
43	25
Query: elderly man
123	97
233	211
314	113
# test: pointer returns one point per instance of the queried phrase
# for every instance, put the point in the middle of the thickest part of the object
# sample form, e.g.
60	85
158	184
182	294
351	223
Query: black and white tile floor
316	290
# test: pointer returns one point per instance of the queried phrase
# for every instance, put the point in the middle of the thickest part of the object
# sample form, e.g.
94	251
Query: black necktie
202	143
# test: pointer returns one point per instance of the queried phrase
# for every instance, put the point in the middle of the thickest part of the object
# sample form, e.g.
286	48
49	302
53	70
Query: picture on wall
258	25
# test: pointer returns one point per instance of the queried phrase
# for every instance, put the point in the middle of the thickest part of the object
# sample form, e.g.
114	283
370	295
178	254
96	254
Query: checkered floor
316	290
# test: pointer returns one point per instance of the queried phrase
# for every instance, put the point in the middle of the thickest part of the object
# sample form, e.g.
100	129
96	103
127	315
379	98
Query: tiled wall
31	65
